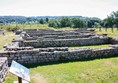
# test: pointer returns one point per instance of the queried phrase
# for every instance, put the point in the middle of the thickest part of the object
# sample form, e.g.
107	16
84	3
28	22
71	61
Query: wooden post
19	80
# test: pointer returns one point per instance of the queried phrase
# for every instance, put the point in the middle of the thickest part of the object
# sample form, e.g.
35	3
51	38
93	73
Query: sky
87	8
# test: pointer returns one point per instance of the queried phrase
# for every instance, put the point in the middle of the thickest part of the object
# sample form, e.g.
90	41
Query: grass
32	26
109	31
45	26
94	71
7	38
25	26
92	46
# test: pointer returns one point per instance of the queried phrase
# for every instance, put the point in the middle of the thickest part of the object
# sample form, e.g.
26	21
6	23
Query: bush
54	23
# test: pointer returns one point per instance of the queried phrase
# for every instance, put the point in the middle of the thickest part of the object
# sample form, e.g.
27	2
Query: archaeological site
43	46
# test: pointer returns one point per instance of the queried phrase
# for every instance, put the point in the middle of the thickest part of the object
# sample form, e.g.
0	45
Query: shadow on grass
65	61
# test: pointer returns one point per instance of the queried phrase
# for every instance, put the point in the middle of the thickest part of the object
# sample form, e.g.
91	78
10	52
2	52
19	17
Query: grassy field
25	26
4	39
94	71
109	31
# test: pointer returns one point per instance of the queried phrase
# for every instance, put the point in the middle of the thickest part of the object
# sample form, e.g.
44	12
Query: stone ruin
2	31
40	46
36	45
51	38
3	68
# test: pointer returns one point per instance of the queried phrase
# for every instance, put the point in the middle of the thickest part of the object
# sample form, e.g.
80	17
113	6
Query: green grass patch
95	71
25	26
109	31
7	38
91	46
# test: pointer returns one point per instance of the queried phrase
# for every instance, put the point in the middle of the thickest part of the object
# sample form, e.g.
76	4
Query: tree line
64	21
110	21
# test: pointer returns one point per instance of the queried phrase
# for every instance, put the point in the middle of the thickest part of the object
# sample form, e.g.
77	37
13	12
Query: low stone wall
58	37
17	48
35	56
2	32
53	32
3	68
65	42
37	30
12	45
43	31
49	38
114	40
51	49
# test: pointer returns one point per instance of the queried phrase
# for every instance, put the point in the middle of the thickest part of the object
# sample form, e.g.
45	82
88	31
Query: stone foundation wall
51	49
65	42
58	37
35	56
114	40
53	32
50	38
3	68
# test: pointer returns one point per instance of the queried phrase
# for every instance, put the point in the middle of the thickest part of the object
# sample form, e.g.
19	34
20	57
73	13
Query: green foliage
65	22
115	17
93	22
47	20
54	23
12	19
41	21
112	20
78	23
96	25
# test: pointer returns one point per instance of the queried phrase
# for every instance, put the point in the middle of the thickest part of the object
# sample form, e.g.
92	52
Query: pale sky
89	8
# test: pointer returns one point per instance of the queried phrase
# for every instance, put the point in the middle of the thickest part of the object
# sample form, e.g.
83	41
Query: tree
92	21
65	22
47	20
97	25
111	20
78	23
41	21
54	23
115	17
1	22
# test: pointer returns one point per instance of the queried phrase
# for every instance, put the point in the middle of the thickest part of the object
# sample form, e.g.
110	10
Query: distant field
94	71
109	31
25	26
